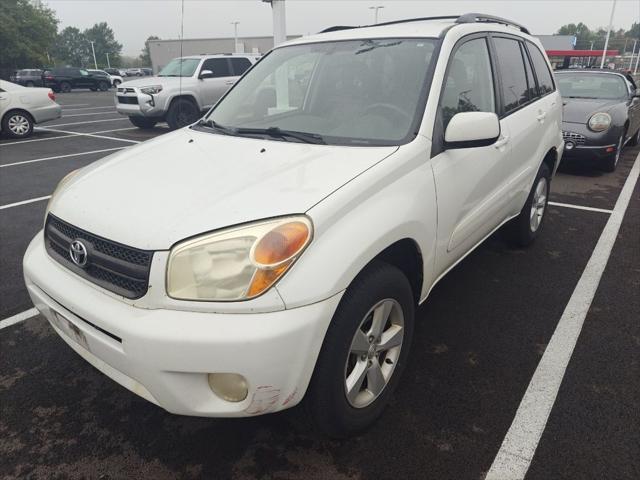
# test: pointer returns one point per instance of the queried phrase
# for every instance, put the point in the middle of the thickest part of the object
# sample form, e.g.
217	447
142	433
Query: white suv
183	90
278	248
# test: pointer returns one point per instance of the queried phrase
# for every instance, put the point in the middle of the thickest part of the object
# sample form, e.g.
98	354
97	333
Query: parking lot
478	343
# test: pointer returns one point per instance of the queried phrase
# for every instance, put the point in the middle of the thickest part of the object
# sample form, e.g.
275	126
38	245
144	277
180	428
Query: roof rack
466	18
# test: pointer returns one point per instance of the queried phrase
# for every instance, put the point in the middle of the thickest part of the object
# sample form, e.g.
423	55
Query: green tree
634	31
583	35
145	56
104	42
73	48
26	35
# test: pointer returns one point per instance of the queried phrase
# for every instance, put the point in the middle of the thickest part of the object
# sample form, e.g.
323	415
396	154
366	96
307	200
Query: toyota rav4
278	248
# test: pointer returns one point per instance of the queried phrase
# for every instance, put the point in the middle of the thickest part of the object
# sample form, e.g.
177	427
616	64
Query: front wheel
116	83
30	84
144	123
17	124
103	86
364	352
525	228
611	162
181	113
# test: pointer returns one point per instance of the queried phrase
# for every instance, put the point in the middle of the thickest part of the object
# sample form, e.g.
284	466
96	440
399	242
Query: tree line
29	38
586	39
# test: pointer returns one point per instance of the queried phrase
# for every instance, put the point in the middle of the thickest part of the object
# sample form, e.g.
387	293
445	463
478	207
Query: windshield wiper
210	123
277	132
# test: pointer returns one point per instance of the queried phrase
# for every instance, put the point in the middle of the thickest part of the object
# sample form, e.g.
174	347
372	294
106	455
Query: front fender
393	200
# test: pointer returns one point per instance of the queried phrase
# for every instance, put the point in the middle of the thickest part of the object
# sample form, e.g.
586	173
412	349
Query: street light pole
606	42
108	62
235	36
95	63
633	52
375	14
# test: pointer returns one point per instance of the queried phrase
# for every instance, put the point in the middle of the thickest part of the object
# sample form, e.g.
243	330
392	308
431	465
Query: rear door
470	182
211	89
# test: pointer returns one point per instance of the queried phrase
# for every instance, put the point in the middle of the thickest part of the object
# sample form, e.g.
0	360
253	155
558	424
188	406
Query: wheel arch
551	160
405	255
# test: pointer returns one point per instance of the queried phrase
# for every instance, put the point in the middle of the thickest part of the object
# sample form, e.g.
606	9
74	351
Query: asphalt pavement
478	341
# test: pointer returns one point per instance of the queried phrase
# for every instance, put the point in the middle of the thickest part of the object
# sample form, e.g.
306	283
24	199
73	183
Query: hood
188	182
164	81
579	110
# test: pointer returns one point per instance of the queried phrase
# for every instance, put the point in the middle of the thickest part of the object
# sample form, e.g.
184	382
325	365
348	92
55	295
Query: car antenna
181	59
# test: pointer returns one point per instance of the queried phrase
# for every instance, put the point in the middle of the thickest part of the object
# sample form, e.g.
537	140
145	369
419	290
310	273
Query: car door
470	182
212	88
85	79
634	107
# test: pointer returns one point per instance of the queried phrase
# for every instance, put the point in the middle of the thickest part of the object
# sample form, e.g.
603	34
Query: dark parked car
67	78
27	77
601	115
147	71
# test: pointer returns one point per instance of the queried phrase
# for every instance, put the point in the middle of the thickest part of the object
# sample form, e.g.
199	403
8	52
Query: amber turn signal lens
263	279
281	244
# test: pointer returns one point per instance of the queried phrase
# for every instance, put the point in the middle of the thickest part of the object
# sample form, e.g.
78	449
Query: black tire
116	83
17	124
181	113
30	84
635	140
611	162
65	87
523	230
144	123
103	86
326	398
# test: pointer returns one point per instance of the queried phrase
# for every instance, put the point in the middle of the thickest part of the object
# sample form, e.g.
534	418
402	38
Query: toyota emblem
78	253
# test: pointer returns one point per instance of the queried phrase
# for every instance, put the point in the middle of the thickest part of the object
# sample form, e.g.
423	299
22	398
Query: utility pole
235	36
637	59
633	52
375	13
95	63
108	62
279	21
606	42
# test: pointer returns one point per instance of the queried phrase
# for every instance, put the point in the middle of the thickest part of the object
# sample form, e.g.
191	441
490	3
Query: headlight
152	90
59	187
599	122
238	263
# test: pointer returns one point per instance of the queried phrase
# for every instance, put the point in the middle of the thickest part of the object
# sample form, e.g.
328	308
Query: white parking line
580	207
44	129
519	445
60	156
90	121
24	202
92	135
20	317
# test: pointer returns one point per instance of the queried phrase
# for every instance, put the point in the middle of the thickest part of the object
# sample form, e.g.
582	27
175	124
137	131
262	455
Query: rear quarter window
545	79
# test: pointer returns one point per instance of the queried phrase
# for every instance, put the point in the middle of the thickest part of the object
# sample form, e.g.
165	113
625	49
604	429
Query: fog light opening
228	386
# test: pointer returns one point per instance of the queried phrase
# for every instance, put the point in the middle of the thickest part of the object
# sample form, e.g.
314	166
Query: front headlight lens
59	187
151	90
599	122
239	263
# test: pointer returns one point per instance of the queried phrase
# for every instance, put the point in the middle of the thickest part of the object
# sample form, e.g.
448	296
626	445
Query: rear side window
219	67
532	91
469	82
545	80
240	65
512	72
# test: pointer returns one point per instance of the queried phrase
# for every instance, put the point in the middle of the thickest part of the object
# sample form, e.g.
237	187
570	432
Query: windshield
365	92
592	85
179	67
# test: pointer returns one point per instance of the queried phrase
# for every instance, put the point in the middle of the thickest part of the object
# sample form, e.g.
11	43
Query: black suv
67	78
27	77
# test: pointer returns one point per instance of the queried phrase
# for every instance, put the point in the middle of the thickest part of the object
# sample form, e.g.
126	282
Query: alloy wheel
18	124
538	204
374	353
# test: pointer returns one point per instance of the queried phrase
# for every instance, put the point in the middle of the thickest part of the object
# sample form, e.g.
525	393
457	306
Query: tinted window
514	78
469	84
219	67
545	80
532	91
240	65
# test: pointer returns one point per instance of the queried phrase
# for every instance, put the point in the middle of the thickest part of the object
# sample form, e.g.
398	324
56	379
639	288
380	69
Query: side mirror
205	74
472	129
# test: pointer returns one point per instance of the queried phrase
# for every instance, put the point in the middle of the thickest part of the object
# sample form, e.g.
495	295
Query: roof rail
481	17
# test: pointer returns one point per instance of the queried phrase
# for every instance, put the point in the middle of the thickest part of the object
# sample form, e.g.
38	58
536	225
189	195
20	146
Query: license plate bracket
70	330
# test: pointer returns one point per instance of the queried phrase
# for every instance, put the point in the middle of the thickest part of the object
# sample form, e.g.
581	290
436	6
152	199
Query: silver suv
183	89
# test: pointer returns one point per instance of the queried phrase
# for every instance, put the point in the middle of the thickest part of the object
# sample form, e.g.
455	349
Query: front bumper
131	102
165	355
582	143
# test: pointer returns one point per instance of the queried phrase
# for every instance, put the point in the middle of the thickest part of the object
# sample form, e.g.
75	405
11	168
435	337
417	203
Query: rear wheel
65	87
525	228
144	123
30	84
116	83
103	86
611	162
181	113
364	352
17	124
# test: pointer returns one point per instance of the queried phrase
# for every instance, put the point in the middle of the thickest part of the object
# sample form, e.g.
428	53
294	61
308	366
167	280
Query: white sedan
114	80
21	108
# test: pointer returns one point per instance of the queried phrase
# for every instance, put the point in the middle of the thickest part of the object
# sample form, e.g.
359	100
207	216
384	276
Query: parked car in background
181	101
279	248
114	80
65	79
115	72
147	71
21	108
601	115
135	72
27	77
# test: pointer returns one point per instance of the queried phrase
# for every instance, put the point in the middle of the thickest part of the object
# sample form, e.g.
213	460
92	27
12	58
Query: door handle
541	116
229	82
501	142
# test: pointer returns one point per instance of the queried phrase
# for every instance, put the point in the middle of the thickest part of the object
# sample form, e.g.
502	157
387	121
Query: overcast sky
134	20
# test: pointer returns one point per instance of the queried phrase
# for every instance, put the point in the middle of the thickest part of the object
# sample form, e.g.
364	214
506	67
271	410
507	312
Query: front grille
573	137
128	100
111	265
126	90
